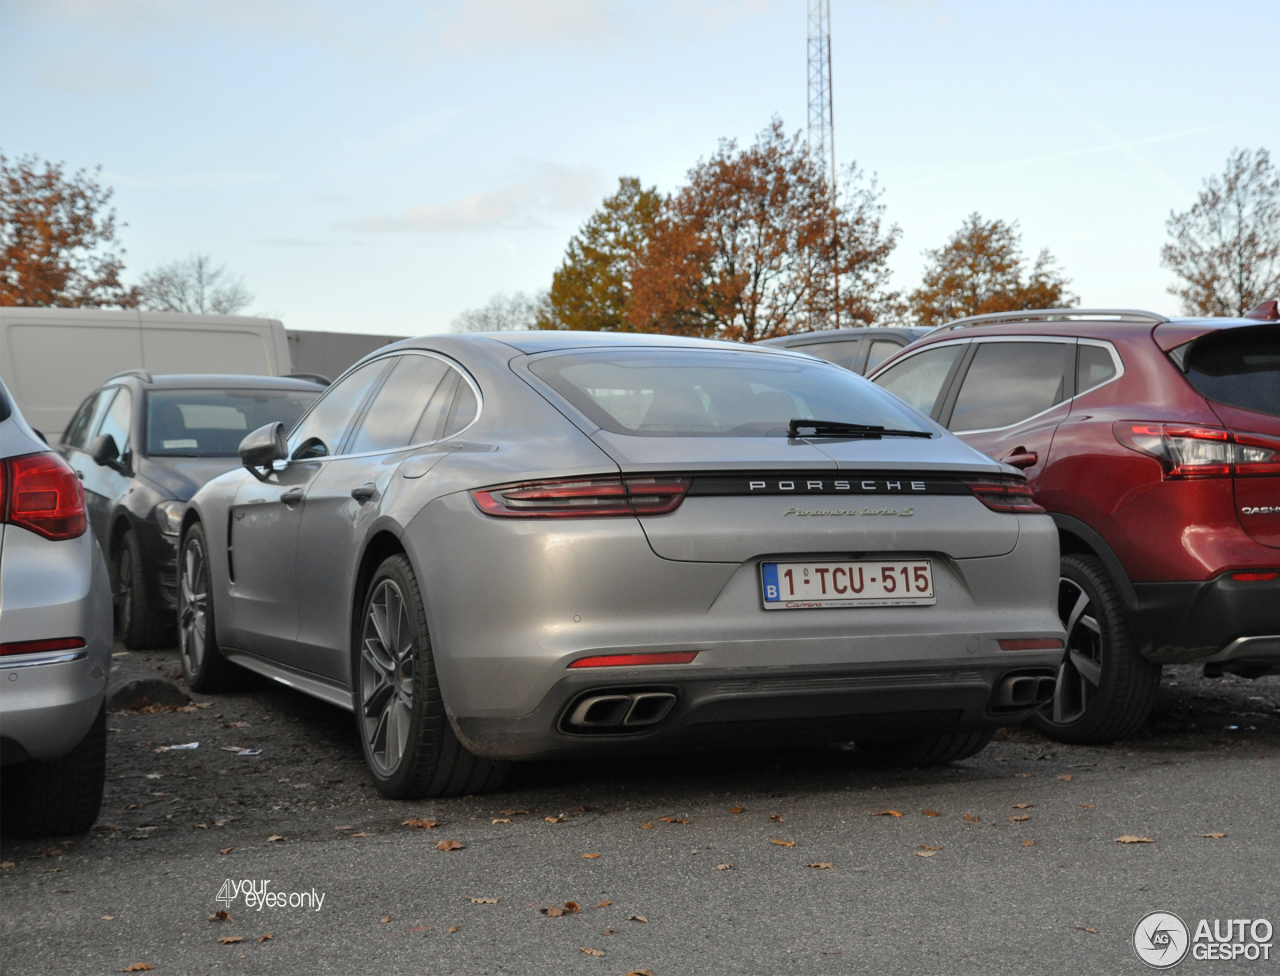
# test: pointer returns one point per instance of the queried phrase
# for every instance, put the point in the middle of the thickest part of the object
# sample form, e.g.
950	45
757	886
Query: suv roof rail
142	374
314	377
1057	315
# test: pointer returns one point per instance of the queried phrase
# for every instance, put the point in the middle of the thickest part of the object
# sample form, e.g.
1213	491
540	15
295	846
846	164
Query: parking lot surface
804	861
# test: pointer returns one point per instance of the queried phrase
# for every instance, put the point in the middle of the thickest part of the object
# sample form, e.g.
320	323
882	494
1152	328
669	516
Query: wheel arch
381	544
1078	538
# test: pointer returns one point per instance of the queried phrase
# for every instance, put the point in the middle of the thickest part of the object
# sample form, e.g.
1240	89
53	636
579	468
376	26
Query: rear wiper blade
836	428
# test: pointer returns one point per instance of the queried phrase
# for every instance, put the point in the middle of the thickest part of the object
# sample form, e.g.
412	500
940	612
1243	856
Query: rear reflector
631	660
1005	496
36	646
583	497
1256	577
1202	452
1031	644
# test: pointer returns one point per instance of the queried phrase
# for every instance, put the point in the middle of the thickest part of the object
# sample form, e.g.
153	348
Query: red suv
1155	445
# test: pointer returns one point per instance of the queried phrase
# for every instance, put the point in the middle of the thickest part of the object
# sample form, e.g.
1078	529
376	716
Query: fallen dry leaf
108	918
725	867
560	818
515	813
590	857
607	932
971	818
926	847
484	901
420	823
552	911
822	865
782	843
221	915
450	845
777	818
230	939
572	907
925	853
1065	777
385	919
1085	928
1087	806
888	813
6	865
638	918
1019	818
266	938
226	850
1133	839
672	820
275	837
498	820
363	833
931	813
1214	836
1028	843
419	928
737	809
138	967
603	904
591	952
646	826
1023	806
453	928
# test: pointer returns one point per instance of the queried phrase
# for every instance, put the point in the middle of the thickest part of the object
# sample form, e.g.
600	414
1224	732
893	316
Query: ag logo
1161	939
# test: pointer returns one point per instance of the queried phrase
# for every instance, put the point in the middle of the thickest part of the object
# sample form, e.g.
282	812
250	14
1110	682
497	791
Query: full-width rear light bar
583	497
1002	495
40	492
1202	452
631	660
36	646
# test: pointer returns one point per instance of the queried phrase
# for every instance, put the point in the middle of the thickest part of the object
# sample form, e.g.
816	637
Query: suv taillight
583	497
1202	452
1005	496
40	492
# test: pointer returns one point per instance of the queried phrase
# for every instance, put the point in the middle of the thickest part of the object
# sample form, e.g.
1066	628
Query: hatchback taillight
583	497
1005	496
1202	452
40	492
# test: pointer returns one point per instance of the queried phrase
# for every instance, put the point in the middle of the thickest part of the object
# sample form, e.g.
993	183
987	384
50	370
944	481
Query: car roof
210	381
1094	324
833	335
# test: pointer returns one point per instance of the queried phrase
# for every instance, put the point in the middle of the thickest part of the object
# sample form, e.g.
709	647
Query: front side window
78	430
1008	382
1238	367
327	423
880	350
919	379
708	393
211	423
116	422
397	408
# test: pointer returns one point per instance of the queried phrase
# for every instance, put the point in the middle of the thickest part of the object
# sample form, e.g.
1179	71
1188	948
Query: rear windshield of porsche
1240	367
710	393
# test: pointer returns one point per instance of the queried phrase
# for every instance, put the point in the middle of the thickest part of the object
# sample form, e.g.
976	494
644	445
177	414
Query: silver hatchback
528	545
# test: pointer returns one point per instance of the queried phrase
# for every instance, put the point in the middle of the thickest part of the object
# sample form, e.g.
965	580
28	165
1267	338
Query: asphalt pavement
763	862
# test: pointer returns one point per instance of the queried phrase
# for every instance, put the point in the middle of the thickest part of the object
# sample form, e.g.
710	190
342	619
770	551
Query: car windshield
709	393
1240	367
211	423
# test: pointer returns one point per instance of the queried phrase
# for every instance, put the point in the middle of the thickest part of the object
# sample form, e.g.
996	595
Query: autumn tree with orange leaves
56	237
754	246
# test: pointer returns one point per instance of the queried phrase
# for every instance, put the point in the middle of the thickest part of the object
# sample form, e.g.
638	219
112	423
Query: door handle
364	492
292	496
1022	458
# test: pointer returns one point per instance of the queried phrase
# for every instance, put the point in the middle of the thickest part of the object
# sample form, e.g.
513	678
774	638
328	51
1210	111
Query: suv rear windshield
709	393
211	423
1239	367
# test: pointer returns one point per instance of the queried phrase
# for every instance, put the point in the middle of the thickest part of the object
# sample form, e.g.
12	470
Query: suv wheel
140	628
408	743
1106	689
47	799
203	666
929	750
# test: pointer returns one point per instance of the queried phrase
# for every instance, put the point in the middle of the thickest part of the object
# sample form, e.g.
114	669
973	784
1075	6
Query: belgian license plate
864	583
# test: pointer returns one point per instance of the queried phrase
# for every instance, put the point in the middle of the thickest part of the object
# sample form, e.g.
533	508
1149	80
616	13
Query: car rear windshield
1240	367
709	393
211	423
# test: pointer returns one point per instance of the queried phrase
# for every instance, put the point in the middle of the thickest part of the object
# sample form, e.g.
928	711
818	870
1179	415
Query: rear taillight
1202	452
583	497
37	646
1005	496
40	492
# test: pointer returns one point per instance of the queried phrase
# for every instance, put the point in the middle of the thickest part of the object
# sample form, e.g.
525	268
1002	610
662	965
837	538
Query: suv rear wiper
836	428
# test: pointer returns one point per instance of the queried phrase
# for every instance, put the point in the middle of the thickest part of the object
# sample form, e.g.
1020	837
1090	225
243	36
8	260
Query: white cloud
550	189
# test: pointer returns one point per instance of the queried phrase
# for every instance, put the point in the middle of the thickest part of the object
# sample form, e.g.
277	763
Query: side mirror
103	450
264	446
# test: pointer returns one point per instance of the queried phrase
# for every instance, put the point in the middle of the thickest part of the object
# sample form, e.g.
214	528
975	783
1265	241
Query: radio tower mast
822	148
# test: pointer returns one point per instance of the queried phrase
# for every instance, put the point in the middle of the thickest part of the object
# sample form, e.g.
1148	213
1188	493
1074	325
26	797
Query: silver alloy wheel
193	618
386	677
1080	673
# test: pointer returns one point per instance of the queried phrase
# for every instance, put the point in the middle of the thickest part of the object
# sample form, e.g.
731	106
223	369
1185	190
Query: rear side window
709	393
842	352
1239	367
398	406
1008	382
880	350
1094	366
919	379
329	418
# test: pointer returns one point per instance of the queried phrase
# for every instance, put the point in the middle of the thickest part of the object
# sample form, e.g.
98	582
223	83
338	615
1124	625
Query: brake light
1202	452
583	497
630	660
40	492
1005	496
35	646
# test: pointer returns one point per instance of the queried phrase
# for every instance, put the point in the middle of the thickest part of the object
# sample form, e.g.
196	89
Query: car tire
50	799
928	750
1106	688
203	666
408	742
140	627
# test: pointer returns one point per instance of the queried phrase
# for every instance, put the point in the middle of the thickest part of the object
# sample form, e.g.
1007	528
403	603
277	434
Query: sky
380	167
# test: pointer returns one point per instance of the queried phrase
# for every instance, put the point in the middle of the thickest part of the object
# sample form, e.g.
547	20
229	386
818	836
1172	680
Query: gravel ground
177	822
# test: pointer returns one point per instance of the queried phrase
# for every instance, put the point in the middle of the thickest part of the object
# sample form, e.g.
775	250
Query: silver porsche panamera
519	545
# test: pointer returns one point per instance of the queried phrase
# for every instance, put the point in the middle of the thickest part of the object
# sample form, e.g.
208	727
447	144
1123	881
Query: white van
52	358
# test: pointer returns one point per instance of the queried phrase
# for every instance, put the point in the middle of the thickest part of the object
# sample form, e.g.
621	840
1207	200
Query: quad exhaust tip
1024	691
620	711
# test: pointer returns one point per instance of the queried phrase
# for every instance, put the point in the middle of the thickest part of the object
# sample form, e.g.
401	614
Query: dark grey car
860	350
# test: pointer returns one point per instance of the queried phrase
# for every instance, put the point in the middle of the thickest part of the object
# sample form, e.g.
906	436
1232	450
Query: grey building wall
329	353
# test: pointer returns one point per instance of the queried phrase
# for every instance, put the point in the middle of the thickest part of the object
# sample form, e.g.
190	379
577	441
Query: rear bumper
741	707
1202	621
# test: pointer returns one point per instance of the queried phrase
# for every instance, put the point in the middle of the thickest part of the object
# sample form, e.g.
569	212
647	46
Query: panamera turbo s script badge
905	513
